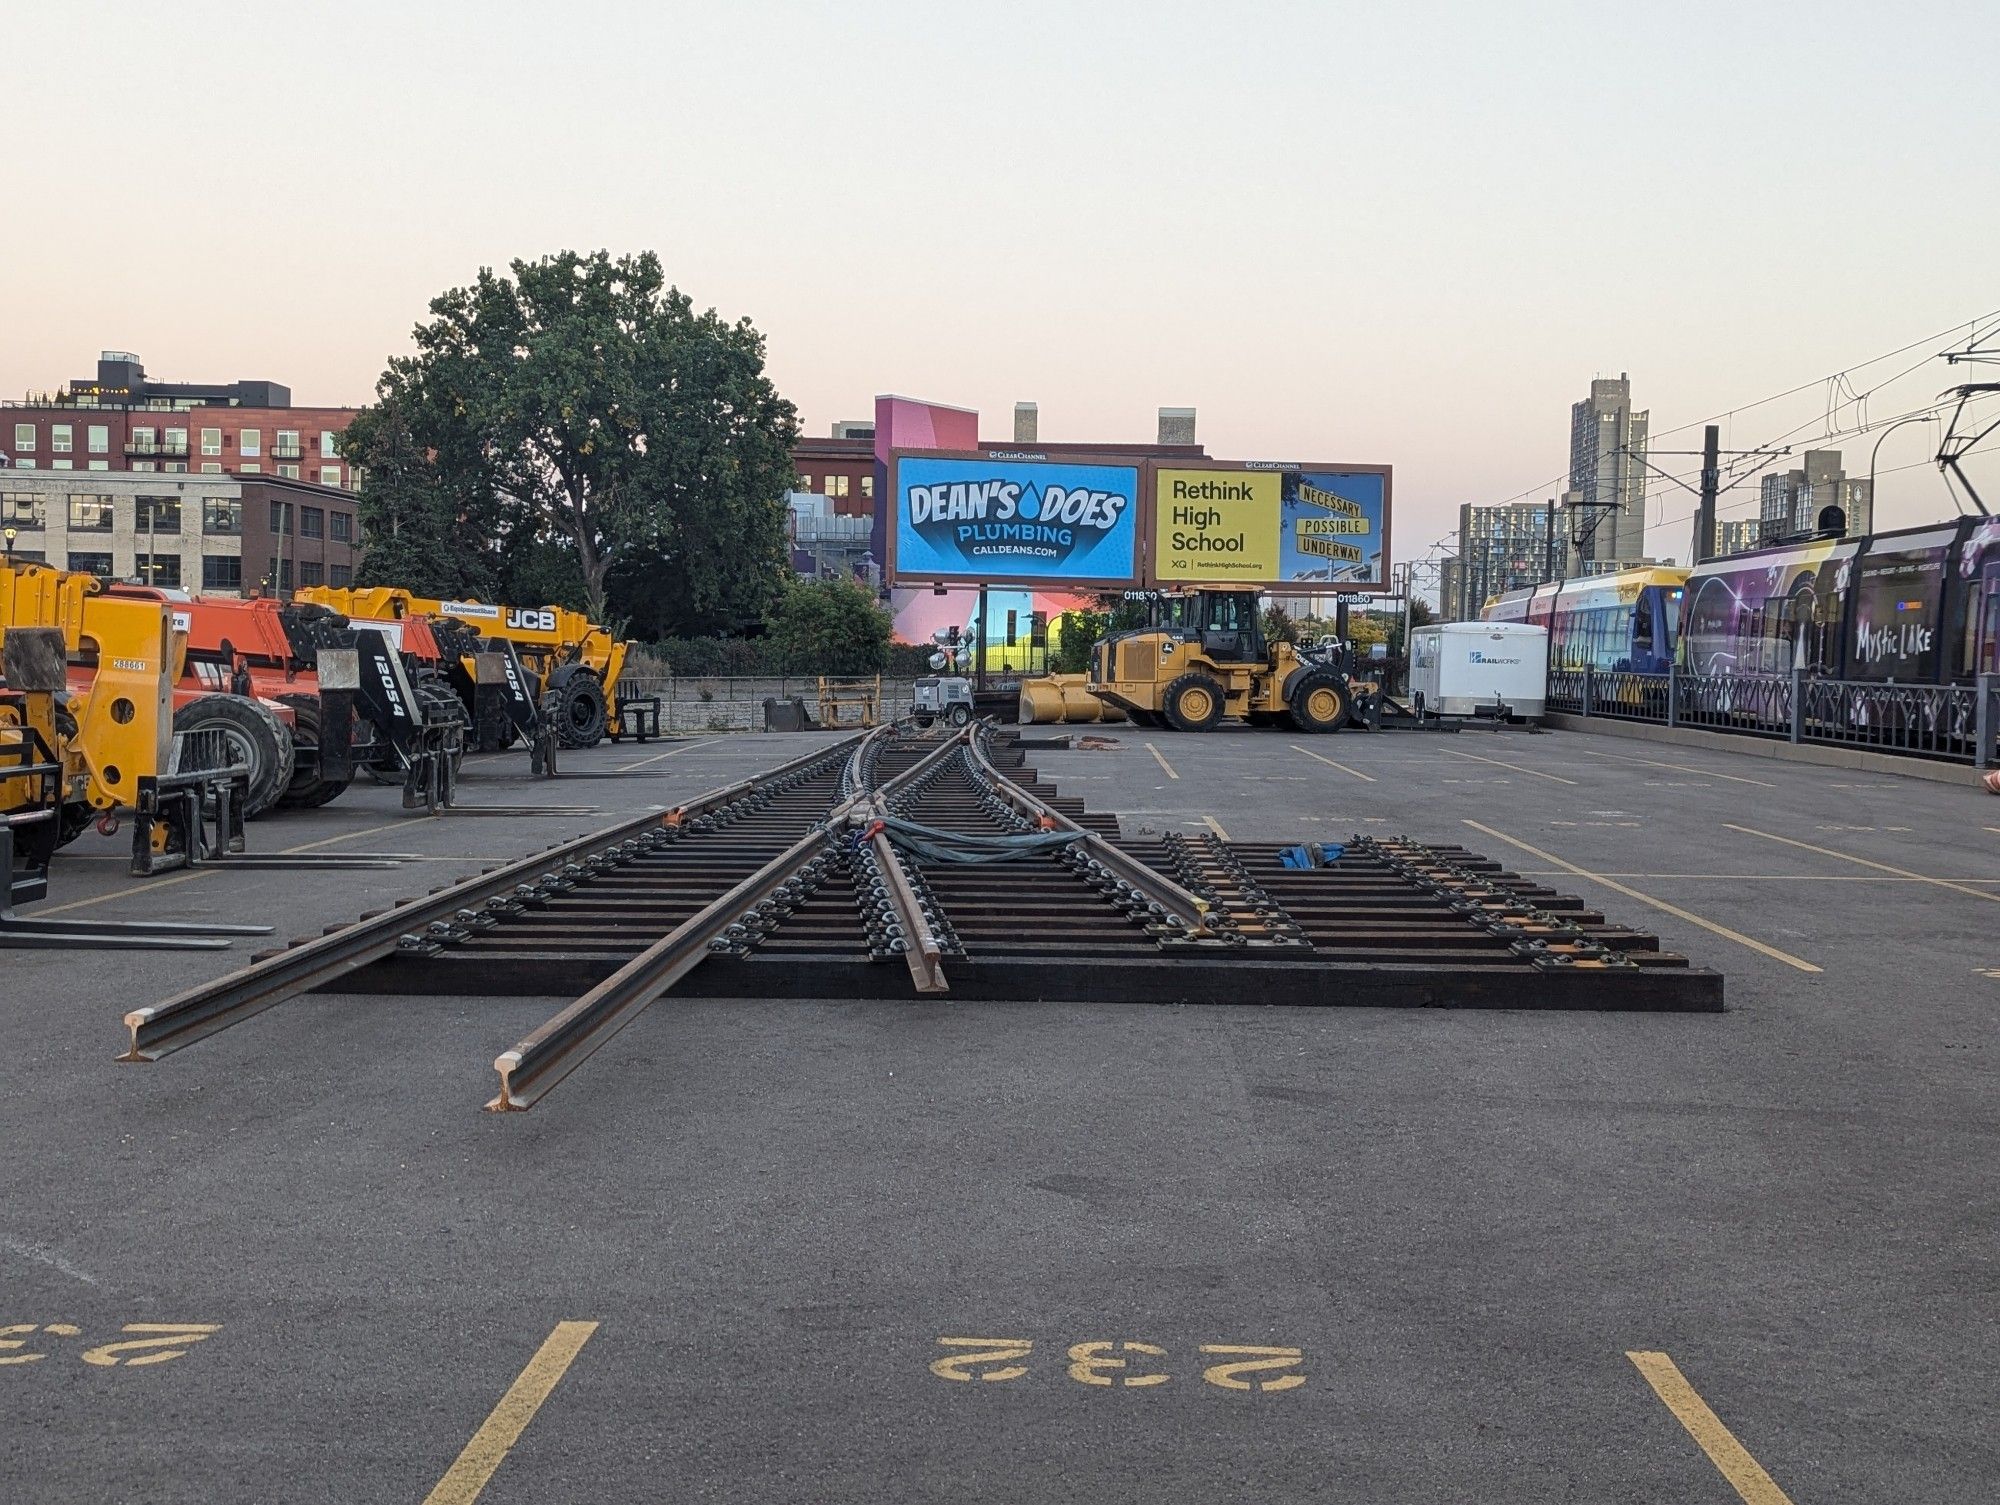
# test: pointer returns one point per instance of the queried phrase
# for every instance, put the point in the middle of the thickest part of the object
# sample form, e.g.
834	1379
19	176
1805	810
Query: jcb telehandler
1202	656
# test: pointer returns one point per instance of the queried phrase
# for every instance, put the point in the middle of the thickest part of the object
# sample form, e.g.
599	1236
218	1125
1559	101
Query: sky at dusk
1408	233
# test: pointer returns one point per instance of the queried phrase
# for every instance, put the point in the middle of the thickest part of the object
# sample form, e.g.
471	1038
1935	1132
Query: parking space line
1366	778
395	825
1161	760
1553	778
488	1449
1215	825
1731	1459
1880	867
1660	904
670	753
1707	773
123	893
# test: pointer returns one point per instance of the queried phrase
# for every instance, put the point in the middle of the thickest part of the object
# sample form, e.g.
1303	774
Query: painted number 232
1131	1365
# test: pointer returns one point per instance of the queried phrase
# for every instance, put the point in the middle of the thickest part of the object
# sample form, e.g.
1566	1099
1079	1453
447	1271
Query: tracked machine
1203	657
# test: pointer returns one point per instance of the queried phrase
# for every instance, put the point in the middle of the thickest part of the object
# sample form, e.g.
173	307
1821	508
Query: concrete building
223	534
121	420
1502	549
1606	500
1791	501
1734	535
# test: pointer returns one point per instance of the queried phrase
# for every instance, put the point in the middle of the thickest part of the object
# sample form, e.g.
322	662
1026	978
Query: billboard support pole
979	644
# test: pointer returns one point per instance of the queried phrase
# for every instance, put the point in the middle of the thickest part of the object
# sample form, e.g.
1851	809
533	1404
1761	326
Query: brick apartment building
121	420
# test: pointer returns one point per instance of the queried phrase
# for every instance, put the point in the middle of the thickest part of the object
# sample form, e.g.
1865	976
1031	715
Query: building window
836	485
221	572
868	485
90	514
250	470
250	442
329	445
211	467
144	441
20	509
159	514
340	576
98	465
343	526
805	482
90	564
284	574
175	467
329	475
61	465
176	442
158	569
289	472
221	514
311	572
281	518
24	436
24	464
312	522
98	437
287	446
211	441
59	435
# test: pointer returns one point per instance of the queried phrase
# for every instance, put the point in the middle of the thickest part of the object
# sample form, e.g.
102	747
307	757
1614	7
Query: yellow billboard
1218	526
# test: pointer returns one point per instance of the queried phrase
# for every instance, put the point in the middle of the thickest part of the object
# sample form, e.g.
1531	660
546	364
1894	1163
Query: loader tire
256	737
1193	703
307	791
576	698
1144	718
1320	703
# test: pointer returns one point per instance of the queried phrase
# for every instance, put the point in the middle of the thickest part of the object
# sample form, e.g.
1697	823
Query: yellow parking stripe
1215	825
1366	778
1553	778
497	1435
1731	1459
1707	773
1161	760
1660	904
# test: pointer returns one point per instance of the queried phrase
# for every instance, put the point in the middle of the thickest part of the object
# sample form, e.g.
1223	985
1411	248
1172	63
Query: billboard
1281	527
1013	518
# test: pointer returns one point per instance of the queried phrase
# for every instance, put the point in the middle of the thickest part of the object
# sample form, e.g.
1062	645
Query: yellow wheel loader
1202	657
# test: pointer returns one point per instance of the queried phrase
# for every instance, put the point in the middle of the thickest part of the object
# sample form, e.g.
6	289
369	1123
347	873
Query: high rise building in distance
1606	500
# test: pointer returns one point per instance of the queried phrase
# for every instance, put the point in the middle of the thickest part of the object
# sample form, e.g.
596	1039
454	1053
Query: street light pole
1899	423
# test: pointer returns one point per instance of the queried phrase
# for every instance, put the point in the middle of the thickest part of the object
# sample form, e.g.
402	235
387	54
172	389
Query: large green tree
830	626
582	404
419	532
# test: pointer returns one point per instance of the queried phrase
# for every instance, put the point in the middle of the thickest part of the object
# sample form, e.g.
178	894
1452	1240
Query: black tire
1320	702
255	736
959	715
924	723
576	699
1143	718
1193	703
307	791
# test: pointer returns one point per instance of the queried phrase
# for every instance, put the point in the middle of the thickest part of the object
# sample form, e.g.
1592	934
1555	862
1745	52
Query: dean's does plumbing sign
999	520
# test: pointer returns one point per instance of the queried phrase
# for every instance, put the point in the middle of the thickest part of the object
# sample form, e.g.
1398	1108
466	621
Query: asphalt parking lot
806	1252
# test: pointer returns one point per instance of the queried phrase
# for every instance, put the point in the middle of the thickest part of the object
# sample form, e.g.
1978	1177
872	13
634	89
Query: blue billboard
1021	521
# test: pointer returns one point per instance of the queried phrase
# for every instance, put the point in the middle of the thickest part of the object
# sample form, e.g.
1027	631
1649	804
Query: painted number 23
1131	1365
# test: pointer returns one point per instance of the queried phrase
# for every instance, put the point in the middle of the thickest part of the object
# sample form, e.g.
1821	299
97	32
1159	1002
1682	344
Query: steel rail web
202	1010
543	1058
1156	886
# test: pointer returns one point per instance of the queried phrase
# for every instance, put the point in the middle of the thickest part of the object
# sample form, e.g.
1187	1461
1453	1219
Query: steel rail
551	1052
1156	886
922	951
202	1010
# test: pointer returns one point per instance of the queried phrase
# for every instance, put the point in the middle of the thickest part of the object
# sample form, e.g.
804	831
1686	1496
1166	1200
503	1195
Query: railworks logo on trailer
1000	519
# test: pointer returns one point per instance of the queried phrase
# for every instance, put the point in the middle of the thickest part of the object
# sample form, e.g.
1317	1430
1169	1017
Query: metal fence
1955	722
692	704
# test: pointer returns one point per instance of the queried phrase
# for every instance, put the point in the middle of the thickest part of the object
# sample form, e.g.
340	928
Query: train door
1986	615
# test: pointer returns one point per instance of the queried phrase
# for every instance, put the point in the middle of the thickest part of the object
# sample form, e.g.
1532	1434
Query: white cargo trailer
1480	669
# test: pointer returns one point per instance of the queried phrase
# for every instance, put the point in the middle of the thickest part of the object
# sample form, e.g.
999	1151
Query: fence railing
691	704
1959	723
